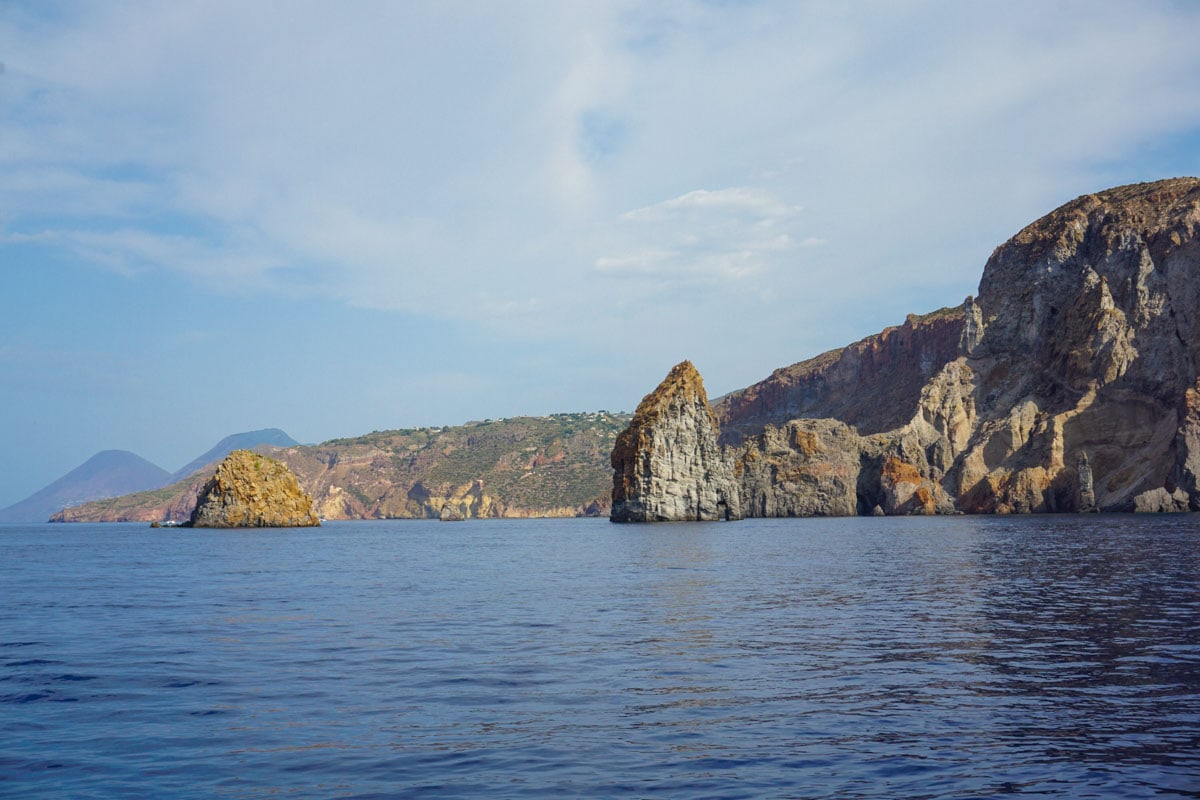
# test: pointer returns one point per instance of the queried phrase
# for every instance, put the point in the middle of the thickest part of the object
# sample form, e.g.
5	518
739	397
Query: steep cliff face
1070	384
1089	346
518	467
252	491
667	464
873	384
804	468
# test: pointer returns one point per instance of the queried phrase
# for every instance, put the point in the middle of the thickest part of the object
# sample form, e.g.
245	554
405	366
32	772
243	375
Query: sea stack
667	465
250	490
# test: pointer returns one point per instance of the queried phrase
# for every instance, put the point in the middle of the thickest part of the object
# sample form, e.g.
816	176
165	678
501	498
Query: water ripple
944	658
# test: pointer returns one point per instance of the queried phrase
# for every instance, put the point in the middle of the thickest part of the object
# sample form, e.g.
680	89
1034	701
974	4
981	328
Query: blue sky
220	216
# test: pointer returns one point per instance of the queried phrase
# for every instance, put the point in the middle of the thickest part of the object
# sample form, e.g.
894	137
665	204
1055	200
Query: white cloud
708	236
559	199
736	200
462	159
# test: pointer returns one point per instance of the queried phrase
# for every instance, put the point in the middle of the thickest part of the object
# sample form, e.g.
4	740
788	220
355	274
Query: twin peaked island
1069	384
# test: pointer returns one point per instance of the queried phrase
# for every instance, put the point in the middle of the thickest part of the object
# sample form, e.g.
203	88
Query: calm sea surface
884	658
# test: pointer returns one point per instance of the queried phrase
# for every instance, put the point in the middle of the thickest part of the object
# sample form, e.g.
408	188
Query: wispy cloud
538	164
736	201
703	235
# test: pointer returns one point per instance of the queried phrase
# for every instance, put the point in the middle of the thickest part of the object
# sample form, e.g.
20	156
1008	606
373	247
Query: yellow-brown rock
805	468
250	490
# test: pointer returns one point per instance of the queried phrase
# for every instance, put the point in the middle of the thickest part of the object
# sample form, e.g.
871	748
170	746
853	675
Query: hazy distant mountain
113	473
238	441
107	474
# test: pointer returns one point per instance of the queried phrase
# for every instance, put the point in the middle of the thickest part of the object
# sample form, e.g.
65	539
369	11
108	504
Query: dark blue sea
957	657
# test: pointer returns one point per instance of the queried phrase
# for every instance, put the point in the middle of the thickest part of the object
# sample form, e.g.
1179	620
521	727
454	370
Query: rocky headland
250	490
101	485
1069	384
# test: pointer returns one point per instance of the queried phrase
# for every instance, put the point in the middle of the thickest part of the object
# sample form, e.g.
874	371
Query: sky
218	216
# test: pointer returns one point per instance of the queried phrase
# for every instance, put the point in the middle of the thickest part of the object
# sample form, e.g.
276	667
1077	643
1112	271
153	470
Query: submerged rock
250	490
667	464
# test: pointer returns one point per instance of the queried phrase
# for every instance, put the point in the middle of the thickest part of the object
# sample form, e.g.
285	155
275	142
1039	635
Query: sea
947	657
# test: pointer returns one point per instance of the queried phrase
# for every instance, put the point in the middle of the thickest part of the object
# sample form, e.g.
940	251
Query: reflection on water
939	658
1090	641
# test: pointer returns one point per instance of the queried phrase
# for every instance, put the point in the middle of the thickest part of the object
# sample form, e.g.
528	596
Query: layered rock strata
668	466
250	490
1069	383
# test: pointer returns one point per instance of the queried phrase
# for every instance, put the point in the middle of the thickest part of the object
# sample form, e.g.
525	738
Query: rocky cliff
668	466
1088	345
1069	384
104	484
846	384
250	490
173	503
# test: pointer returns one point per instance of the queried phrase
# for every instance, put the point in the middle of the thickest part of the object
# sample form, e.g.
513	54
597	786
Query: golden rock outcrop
250	490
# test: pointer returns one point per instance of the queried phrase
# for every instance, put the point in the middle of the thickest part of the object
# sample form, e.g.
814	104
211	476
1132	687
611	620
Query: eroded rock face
848	384
1087	490
805	468
1160	501
667	464
1090	344
252	491
1069	384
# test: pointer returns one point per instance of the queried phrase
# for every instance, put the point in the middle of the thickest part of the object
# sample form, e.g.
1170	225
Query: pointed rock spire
667	465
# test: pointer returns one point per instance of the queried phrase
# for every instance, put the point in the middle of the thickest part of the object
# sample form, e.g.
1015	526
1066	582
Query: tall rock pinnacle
667	464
